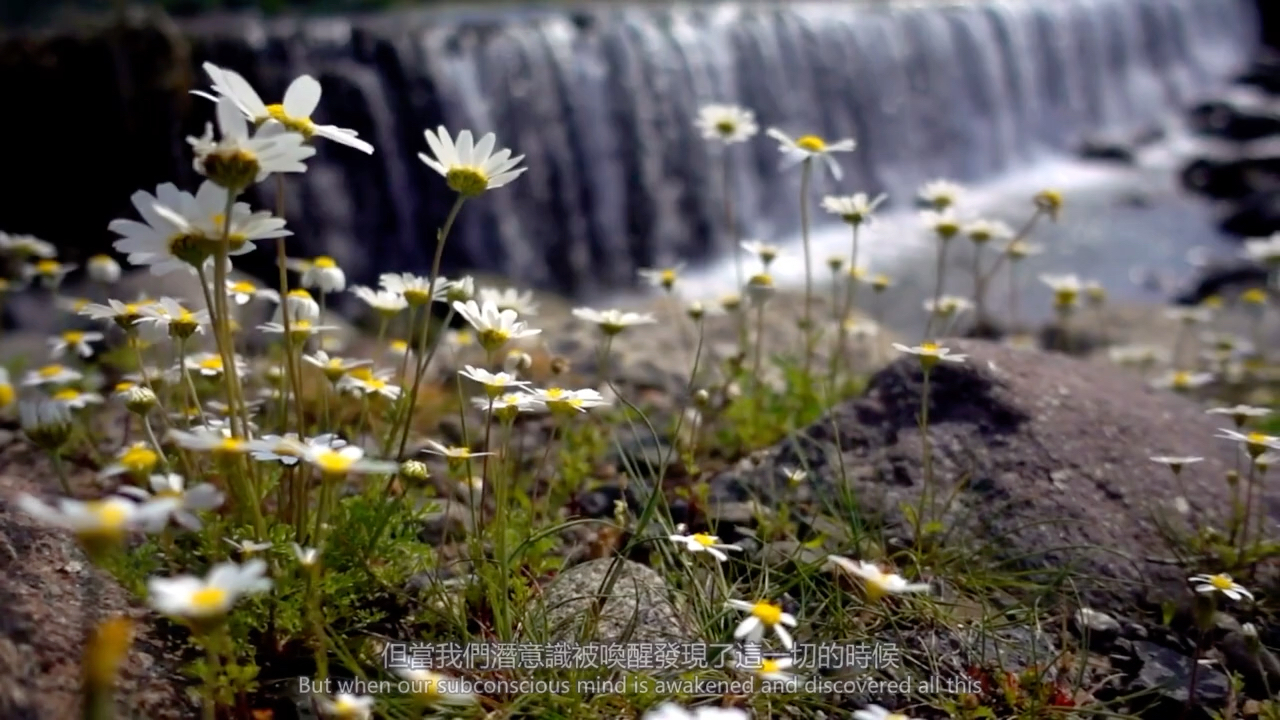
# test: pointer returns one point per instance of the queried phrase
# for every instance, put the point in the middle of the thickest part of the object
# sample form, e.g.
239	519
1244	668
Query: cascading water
602	101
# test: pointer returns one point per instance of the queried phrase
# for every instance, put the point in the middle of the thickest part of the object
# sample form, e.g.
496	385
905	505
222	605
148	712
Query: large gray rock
43	580
1047	458
638	608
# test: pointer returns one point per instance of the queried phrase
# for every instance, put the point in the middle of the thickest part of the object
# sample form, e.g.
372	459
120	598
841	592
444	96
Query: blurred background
1005	95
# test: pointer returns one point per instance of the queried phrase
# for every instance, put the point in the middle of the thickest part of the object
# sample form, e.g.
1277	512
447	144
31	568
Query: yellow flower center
208	599
212	363
555	393
244	286
812	143
768	613
67	395
399	346
467	181
946	229
126	386
48	267
324	262
929	348
230	445
1255	296
333	463
49	371
73	337
111	516
726	127
300	125
139	458
7	395
761	280
705	540
362	373
1064	297
1222	582
769	666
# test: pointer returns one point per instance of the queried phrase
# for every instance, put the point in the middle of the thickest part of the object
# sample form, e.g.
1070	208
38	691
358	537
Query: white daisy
494	327
764	615
875	712
727	123
182	231
1176	462
612	322
301	99
136	459
184	502
508	299
469	167
366	380
242	291
323	274
807	147
95	521
417	290
383	302
855	209
453	453
287	449
943	223
948	306
78	341
436	689
1182	380
206	439
247	548
983	231
941	194
1241	414
567	402
702	542
124	315
77	399
308	557
237	159
494	384
1255	443
664	278
27	246
193	598
48	272
505	406
1066	289
345	460
333	367
346	707
168	317
876	582
766	252
1220	583
930	353
672	711
103	269
54	374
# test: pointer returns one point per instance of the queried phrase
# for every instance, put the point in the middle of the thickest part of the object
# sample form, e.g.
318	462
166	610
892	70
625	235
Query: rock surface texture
43	580
1046	456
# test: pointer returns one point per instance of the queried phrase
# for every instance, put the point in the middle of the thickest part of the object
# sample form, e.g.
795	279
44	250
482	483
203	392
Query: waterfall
601	102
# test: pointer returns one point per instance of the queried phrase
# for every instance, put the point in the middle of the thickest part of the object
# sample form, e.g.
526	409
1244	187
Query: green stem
927	455
423	358
806	173
940	272
61	469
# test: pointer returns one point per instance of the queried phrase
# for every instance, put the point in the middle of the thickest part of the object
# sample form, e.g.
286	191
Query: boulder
1223	119
1047	458
637	609
43	581
1256	216
1231	178
1222	278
